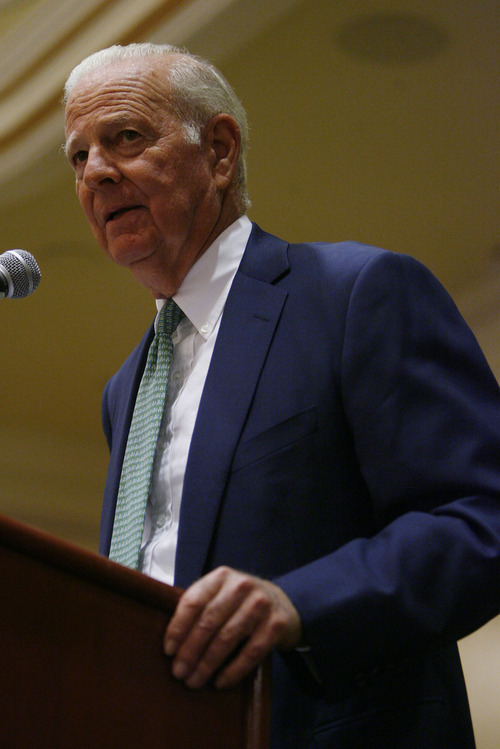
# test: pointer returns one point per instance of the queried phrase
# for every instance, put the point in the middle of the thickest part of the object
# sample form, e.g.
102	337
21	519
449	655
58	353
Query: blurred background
373	120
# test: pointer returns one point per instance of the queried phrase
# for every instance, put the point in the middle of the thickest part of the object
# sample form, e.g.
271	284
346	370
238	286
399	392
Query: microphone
19	274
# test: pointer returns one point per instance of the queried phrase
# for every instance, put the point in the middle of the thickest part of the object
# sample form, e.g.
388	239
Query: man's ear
222	136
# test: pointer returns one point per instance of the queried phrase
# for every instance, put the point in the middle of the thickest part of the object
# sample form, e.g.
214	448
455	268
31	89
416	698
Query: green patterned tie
141	444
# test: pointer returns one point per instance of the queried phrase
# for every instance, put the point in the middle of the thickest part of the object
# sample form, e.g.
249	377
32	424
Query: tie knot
169	318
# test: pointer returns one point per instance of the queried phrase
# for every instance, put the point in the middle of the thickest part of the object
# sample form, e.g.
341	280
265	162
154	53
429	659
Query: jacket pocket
275	438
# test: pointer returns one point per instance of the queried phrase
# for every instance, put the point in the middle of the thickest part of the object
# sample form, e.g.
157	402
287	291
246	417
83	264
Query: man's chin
127	251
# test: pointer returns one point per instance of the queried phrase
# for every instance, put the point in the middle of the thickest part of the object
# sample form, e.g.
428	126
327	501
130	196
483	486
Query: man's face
149	196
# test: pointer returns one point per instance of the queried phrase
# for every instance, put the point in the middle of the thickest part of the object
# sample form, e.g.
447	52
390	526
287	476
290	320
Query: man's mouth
120	211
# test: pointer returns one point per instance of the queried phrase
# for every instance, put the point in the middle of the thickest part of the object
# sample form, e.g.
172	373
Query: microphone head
19	274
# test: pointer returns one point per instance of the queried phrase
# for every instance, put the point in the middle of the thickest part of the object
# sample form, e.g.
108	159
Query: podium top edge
83	563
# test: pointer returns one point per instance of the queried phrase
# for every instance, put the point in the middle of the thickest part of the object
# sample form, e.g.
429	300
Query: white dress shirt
201	297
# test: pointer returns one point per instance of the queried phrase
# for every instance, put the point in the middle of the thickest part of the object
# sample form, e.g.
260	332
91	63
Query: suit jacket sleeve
424	412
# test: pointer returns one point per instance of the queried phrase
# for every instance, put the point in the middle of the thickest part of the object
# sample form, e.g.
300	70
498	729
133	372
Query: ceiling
373	120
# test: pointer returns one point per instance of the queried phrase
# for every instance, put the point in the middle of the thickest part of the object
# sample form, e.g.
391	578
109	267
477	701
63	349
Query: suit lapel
250	317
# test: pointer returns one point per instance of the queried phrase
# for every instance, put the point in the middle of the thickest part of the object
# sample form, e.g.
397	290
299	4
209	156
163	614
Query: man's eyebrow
118	119
68	145
122	118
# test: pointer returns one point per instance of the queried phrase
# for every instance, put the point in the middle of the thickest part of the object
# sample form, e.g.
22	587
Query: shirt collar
204	290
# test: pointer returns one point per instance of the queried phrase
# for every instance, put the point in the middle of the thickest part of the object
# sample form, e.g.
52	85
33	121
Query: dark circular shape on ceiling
392	37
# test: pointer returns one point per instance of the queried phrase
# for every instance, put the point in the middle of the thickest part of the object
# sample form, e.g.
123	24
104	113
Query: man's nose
100	167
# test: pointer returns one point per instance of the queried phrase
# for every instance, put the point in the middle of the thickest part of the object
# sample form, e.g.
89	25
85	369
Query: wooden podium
81	661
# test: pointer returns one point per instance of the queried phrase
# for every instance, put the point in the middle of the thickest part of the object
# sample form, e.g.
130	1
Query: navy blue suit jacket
347	446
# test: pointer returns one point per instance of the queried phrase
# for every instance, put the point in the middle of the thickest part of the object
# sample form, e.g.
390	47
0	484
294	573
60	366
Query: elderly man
307	439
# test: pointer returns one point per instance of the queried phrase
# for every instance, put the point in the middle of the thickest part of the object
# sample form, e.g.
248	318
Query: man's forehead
124	84
142	76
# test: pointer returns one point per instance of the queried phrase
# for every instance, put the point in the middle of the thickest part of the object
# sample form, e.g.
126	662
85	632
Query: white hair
198	92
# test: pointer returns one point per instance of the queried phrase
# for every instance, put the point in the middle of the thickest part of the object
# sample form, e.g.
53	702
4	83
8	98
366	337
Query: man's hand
232	620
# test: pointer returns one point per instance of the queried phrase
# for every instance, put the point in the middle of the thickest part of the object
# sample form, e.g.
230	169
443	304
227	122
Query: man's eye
128	136
79	157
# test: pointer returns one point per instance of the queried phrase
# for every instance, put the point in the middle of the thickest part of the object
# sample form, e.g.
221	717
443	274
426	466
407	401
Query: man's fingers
239	628
228	613
280	628
248	658
202	611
